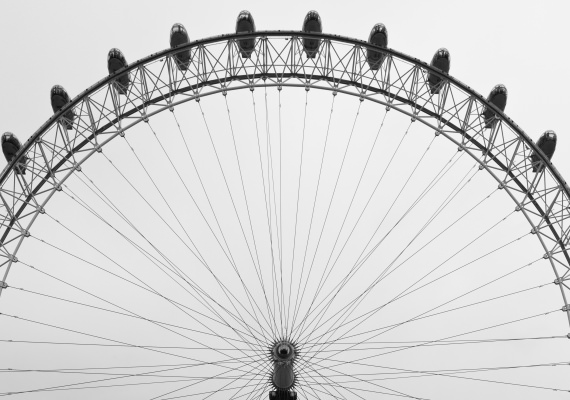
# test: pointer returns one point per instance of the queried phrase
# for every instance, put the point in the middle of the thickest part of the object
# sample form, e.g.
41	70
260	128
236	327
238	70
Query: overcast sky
523	47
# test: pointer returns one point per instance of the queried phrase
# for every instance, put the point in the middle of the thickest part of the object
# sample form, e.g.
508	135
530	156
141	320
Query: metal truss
216	66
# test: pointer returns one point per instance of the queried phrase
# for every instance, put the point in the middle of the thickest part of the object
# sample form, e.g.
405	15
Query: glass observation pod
547	144
178	37
312	24
497	97
379	37
10	147
59	99
115	62
245	24
441	61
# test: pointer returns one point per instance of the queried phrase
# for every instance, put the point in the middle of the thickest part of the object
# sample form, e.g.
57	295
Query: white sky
522	46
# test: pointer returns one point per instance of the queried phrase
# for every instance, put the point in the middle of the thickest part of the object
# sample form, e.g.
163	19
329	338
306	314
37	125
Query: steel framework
216	66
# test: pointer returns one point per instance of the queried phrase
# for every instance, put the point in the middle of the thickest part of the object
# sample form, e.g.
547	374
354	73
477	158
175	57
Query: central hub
283	351
283	359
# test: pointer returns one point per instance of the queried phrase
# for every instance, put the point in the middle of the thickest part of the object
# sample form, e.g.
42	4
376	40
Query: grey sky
518	44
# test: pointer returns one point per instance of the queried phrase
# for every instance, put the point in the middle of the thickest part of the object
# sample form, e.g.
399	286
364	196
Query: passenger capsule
59	99
178	37
312	24
442	62
379	37
116	61
547	144
10	147
497	97
245	24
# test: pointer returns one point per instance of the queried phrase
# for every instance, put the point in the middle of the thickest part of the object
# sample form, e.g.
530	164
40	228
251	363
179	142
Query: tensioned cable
302	390
256	267
72	386
225	290
111	340
228	254
447	228
260	380
213	392
172	347
209	393
118	385
406	375
335	384
257	393
236	213
195	252
163	324
160	323
458	188
441	343
401	294
314	388
198	255
325	274
115	385
328	385
452	375
358	264
265	198
120	266
297	205
110	204
448	337
280	226
296	310
444	170
262	383
350	390
261	388
420	317
379	392
353	271
104	370
388	328
445	303
147	255
301	330
361	297
300	299
278	292
311	385
313	209
362	213
176	304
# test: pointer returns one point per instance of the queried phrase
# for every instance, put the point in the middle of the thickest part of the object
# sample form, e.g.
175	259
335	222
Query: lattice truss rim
53	153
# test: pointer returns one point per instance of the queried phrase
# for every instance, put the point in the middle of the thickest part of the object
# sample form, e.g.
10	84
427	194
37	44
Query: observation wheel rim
257	80
285	34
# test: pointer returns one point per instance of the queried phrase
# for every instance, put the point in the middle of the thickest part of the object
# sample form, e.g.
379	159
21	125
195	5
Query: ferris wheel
283	215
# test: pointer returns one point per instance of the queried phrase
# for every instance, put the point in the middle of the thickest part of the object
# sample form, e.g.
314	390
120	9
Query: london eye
282	214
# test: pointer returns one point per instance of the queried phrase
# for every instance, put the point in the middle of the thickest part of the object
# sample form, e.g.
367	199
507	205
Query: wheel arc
259	81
